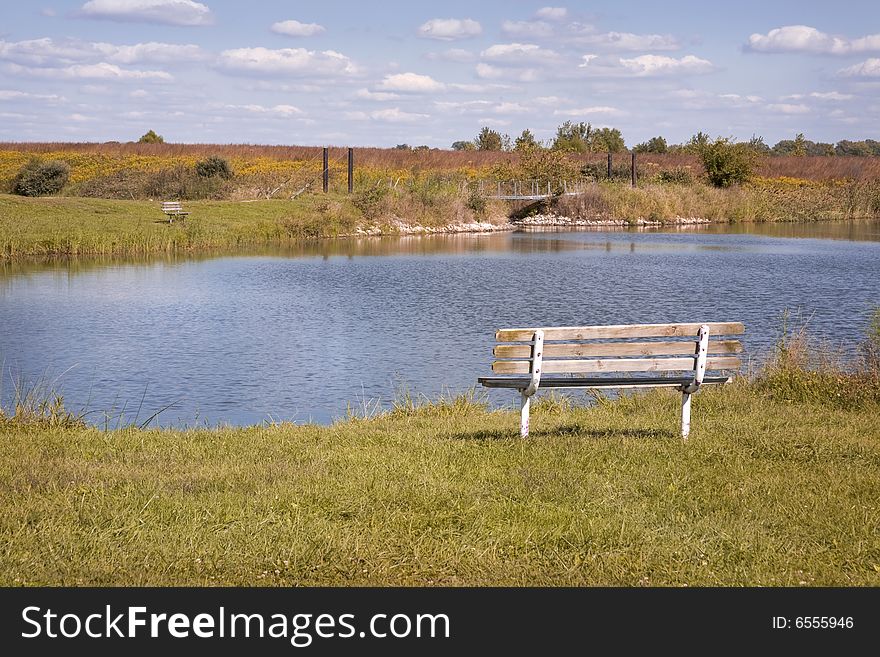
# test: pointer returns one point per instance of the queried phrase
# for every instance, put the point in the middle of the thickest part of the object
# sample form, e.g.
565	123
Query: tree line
584	138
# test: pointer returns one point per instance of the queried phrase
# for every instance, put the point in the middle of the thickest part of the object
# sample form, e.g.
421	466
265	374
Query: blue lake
304	333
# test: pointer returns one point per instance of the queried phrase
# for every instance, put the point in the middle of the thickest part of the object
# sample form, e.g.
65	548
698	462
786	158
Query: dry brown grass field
809	167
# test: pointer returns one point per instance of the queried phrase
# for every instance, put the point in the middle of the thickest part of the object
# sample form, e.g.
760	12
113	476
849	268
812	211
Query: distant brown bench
173	210
594	357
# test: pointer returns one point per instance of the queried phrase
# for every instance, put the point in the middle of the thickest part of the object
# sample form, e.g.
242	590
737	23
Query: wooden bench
622	356
173	210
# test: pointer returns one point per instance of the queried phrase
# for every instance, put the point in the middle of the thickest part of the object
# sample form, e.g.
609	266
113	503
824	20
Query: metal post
350	170
326	174
685	415
609	166
633	169
525	402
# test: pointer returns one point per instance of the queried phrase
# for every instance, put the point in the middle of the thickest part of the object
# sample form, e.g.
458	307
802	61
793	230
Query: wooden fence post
633	169
609	166
326	173
350	170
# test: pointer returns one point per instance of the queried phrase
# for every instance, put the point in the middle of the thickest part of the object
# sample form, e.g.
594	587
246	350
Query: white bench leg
685	414
525	402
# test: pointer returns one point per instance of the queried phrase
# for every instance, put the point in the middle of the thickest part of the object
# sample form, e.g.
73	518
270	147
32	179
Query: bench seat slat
618	331
613	365
521	382
552	350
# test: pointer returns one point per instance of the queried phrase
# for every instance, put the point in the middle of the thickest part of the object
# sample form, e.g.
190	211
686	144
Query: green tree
463	146
151	138
573	137
727	162
38	178
653	145
607	140
800	145
526	141
697	143
489	140
757	144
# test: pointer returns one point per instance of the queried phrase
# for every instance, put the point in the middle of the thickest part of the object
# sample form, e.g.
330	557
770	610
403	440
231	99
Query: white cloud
167	12
12	94
396	115
285	61
278	110
870	68
297	29
831	95
459	55
788	108
552	13
100	71
588	111
519	54
366	94
48	52
489	72
806	39
411	83
450	29
629	41
534	29
650	65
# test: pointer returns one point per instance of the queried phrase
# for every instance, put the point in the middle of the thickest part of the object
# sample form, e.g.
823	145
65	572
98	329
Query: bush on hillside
38	178
214	166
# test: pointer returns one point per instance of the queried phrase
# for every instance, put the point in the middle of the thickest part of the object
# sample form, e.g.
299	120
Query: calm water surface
301	334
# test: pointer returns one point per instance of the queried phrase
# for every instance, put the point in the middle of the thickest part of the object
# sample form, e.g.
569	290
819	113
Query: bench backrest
620	348
171	206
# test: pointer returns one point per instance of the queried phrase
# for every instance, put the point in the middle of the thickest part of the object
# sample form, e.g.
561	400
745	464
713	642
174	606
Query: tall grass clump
804	370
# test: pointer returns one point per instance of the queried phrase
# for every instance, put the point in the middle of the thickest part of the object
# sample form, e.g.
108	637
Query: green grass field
767	491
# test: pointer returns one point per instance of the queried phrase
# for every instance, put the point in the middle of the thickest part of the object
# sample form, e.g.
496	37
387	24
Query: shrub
726	162
371	201
214	166
676	176
477	202
38	178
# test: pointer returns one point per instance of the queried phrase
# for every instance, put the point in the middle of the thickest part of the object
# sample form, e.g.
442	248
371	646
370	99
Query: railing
516	190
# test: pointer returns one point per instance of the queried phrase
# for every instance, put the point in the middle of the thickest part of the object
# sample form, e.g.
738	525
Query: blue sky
380	74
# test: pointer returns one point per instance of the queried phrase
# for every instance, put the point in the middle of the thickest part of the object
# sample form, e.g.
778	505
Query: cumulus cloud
285	61
519	54
411	83
630	41
366	94
48	52
870	68
643	66
297	29
459	55
100	71
806	39
489	72
277	110
396	115
552	13
450	29
649	65
166	12
13	94
533	29
588	111
788	108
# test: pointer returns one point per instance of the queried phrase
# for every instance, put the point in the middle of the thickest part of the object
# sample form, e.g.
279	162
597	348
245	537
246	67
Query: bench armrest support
535	367
700	365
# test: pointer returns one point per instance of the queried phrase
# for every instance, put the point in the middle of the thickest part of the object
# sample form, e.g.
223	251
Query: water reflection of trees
532	240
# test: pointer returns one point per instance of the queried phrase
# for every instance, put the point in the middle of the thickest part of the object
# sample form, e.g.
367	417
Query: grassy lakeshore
67	225
773	488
